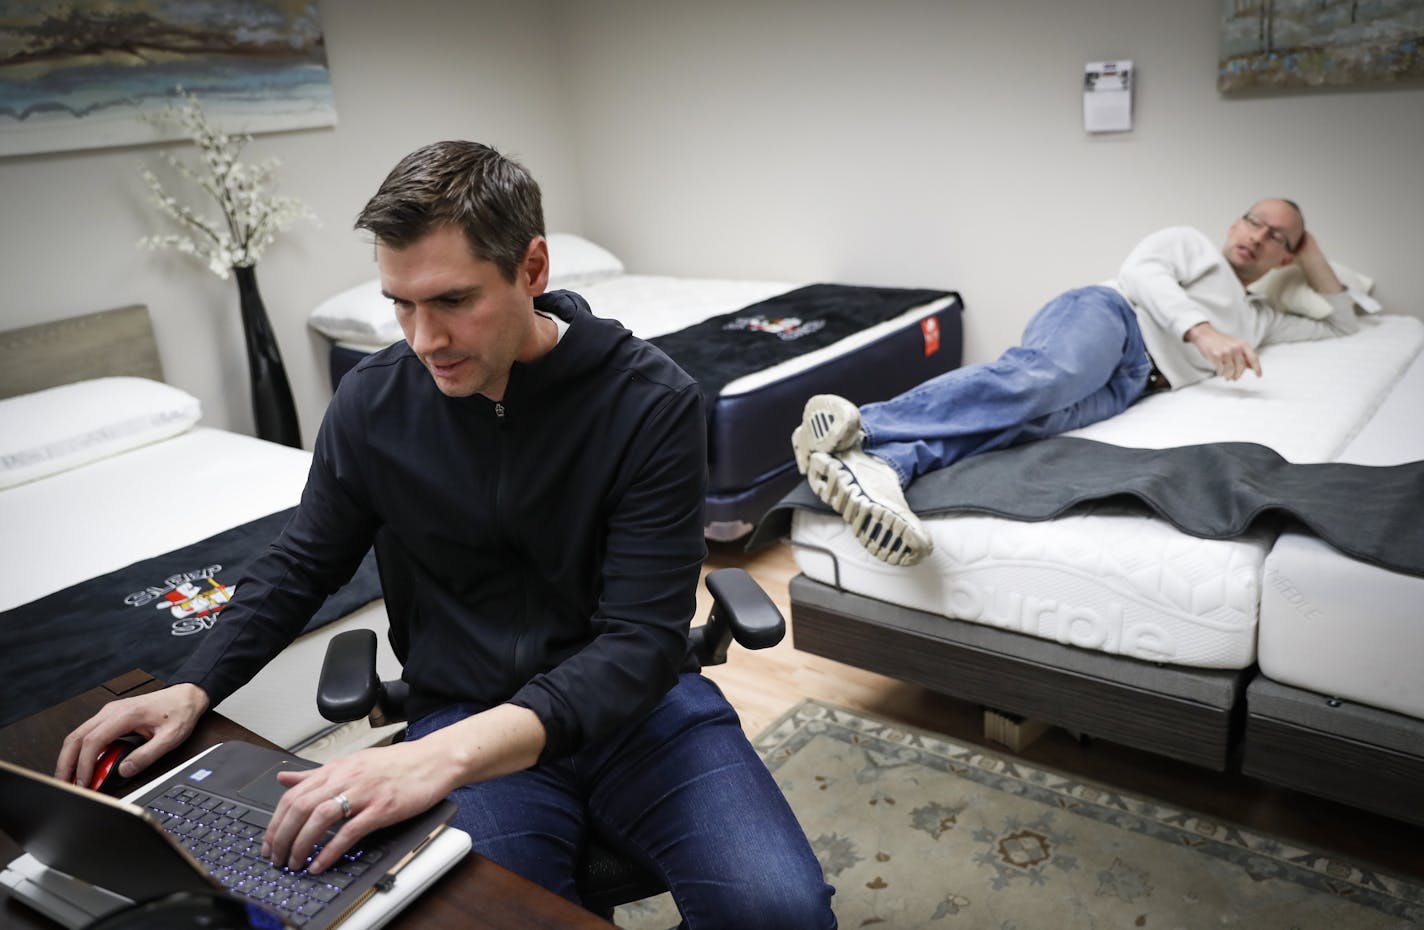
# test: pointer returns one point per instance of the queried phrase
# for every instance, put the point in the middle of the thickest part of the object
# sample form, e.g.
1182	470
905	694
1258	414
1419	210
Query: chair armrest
741	610
348	688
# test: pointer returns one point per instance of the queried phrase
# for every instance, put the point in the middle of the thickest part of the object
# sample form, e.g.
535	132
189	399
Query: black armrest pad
348	688
755	620
741	610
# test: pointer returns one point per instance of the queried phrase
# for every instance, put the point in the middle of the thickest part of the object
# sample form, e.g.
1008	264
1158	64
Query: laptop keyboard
227	839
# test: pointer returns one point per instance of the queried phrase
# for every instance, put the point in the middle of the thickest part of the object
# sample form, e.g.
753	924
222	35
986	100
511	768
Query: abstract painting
1267	44
81	74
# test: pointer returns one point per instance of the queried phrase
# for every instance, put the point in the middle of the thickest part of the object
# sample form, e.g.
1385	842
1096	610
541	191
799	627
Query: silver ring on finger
345	805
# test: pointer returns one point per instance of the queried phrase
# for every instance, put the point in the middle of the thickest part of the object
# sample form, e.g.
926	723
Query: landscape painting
81	74
1269	44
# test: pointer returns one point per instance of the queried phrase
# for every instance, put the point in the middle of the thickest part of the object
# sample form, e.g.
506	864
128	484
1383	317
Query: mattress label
929	328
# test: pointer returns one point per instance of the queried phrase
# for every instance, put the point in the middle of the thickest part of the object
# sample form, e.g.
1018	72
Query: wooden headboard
96	345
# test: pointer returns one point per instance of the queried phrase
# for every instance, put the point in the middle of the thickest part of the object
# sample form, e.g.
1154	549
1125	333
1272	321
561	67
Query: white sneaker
829	423
866	492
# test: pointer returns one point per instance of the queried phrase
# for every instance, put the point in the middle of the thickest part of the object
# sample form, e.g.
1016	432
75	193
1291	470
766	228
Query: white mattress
100	517
655	305
1344	628
1121	582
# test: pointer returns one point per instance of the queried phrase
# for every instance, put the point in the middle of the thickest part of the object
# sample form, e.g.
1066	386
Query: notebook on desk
197	828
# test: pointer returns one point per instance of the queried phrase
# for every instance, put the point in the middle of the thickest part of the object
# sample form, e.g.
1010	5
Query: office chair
350	689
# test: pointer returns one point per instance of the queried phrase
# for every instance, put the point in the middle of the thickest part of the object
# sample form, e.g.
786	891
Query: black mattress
750	466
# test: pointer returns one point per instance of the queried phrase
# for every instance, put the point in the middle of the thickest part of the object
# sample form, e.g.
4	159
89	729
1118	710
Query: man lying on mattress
533	479
1178	313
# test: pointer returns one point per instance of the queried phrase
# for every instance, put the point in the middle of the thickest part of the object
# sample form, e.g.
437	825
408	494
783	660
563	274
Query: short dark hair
490	197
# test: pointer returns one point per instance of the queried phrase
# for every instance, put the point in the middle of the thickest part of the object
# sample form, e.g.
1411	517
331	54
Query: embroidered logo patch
194	598
786	327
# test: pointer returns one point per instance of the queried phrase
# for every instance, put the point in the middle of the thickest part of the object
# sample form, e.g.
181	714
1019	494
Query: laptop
198	828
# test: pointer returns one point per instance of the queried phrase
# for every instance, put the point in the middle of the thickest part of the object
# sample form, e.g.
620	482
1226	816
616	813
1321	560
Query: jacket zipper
517	646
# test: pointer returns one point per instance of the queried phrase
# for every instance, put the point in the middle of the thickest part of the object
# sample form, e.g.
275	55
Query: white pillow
360	314
60	428
574	261
1286	289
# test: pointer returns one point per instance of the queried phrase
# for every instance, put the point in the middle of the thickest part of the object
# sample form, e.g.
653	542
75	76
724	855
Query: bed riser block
1168	725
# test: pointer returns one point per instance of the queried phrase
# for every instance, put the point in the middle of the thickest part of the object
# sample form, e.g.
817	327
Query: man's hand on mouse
106	771
163	718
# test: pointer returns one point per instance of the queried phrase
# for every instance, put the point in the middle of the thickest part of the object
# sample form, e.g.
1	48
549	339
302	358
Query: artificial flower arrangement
251	214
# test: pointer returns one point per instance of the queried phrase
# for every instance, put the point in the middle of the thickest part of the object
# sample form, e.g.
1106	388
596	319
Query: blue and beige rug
917	831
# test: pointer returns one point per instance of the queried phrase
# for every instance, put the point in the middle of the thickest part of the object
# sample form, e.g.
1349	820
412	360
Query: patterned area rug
917	831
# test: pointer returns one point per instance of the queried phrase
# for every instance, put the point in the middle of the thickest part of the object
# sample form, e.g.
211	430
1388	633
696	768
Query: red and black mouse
106	777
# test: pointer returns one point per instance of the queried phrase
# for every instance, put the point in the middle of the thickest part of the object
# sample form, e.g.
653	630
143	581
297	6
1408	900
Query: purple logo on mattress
786	327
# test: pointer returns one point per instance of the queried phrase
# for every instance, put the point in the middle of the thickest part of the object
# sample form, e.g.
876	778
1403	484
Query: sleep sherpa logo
194	598
785	327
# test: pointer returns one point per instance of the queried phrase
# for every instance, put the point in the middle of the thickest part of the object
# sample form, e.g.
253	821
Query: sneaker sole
885	534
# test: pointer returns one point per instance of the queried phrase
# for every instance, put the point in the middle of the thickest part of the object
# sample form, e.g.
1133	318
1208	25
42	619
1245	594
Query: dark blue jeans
1082	360
684	791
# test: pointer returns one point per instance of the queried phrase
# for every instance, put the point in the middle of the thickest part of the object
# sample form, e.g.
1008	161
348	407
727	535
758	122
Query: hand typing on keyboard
226	839
388	784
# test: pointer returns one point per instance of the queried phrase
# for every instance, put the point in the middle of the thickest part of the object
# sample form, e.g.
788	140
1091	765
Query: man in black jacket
533	478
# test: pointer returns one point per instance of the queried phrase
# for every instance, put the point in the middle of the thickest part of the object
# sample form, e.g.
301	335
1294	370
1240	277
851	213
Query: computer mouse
106	777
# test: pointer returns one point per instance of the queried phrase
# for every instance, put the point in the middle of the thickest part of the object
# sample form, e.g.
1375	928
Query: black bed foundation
1358	755
1182	713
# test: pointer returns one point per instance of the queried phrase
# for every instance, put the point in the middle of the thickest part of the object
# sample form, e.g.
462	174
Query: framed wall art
82	74
1267	44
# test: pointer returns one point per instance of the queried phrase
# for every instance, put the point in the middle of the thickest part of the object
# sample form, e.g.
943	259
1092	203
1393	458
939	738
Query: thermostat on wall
1107	96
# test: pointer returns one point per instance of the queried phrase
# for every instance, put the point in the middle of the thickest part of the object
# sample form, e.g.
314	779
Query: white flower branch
251	215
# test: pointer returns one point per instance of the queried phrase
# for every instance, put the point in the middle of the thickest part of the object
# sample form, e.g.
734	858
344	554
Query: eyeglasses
1273	233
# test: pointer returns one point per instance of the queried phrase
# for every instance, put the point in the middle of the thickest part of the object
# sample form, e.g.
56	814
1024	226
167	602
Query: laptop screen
198	829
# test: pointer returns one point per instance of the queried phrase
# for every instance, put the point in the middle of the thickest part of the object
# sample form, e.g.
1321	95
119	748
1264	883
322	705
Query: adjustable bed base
1346	719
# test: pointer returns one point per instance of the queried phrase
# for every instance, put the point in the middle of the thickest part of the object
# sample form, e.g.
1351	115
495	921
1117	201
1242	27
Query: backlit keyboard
227	839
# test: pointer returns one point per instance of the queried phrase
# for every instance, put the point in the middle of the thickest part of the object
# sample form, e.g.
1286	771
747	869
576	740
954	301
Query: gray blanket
1214	491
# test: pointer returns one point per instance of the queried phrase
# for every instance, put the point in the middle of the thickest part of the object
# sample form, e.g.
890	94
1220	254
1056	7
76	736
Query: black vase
272	405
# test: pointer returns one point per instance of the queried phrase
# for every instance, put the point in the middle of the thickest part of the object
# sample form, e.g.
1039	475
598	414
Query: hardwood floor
765	684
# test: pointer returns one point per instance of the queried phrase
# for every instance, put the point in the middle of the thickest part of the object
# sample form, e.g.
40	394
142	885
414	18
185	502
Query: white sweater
1177	278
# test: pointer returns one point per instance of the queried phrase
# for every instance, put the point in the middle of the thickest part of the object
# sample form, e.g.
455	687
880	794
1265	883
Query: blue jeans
683	791
1082	360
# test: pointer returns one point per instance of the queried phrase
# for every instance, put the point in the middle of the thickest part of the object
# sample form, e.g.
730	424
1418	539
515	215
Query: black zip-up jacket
542	551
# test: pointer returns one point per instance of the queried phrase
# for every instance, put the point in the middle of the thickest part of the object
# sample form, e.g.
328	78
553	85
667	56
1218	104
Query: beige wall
403	74
902	142
940	143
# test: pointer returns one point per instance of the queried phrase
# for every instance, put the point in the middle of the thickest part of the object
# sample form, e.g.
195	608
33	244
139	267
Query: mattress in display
1109	577
749	454
1343	628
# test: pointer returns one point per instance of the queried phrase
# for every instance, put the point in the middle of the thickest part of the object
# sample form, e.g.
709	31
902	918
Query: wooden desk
476	894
